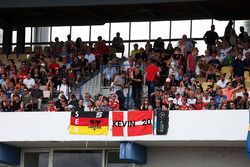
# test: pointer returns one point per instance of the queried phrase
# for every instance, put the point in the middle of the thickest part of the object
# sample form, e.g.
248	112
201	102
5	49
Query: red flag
132	123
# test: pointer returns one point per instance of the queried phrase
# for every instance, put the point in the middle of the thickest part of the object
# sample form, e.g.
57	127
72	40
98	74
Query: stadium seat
46	94
204	85
12	56
42	87
22	57
226	70
28	49
246	74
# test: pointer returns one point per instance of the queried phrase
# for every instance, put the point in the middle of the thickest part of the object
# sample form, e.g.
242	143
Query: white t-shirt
222	84
191	101
29	82
65	88
90	57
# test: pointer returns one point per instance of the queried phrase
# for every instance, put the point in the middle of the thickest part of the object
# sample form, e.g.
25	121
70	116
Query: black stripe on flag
78	114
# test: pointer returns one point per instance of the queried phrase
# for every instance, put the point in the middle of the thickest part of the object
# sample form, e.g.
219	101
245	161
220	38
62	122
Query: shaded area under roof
100	12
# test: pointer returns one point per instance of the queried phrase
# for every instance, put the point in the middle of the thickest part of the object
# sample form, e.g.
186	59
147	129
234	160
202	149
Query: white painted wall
197	157
183	126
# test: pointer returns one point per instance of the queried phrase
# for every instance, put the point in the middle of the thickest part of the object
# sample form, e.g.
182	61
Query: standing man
211	38
137	87
119	84
117	43
152	71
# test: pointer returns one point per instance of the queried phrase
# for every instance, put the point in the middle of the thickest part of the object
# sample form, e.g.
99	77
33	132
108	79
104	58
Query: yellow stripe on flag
249	127
85	130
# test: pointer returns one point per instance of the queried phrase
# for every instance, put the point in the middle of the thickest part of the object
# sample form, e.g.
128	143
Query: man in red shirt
152	71
184	105
54	66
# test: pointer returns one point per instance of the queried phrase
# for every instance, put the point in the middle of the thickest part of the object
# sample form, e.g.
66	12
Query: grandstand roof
78	12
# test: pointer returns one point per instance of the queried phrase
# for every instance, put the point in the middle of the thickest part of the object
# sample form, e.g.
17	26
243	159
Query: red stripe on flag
144	123
88	121
117	131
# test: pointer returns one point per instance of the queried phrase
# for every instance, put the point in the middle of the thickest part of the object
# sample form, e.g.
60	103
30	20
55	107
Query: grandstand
124	84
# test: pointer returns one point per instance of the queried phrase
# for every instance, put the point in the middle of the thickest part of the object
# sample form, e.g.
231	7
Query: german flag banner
89	123
132	123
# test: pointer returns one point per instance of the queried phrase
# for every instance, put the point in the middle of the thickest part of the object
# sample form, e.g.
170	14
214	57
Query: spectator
105	105
79	107
64	88
29	82
135	50
159	45
119	84
222	82
113	102
73	100
184	105
27	100
91	60
108	74
90	106
238	66
191	62
152	72
219	97
51	107
211	38
16	104
212	105
37	95
117	43
137	80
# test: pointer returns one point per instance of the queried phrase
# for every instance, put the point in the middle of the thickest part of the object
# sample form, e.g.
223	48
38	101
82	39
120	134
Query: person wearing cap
90	106
171	104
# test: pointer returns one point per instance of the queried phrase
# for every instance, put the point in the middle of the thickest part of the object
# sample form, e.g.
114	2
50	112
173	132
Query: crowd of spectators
174	76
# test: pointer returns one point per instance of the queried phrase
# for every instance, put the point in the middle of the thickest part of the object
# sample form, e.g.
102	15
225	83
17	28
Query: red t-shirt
55	67
191	61
114	105
200	106
184	107
151	70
